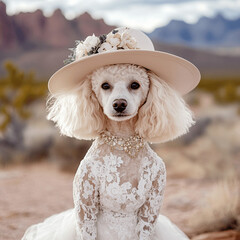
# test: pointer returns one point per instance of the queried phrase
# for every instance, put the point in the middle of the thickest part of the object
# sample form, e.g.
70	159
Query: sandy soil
28	194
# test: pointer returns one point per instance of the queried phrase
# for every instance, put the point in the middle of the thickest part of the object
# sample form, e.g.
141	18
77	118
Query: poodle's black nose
119	105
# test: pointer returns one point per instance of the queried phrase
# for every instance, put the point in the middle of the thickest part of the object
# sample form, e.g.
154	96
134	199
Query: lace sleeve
85	196
149	211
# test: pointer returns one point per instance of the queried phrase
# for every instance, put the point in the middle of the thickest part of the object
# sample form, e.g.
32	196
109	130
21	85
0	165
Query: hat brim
179	73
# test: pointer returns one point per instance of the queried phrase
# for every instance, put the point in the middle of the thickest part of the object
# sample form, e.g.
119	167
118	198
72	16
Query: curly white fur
165	115
158	113
77	113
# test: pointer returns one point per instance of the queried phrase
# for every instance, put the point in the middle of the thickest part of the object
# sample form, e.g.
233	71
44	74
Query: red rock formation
30	28
58	30
34	30
86	25
7	30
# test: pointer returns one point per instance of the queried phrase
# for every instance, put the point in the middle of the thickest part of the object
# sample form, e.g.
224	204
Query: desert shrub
225	90
220	210
17	91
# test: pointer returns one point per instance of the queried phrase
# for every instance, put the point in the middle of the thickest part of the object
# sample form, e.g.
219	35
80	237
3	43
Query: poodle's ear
77	113
165	115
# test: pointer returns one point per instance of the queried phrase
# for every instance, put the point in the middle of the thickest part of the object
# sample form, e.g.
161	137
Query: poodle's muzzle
119	105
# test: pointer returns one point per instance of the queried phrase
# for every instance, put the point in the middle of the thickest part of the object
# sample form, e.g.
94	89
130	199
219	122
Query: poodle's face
121	90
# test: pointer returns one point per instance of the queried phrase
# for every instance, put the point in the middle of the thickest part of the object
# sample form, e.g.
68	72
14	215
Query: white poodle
128	104
106	94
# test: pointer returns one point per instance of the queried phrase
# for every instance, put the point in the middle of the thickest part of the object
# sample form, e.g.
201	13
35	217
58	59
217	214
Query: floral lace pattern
114	188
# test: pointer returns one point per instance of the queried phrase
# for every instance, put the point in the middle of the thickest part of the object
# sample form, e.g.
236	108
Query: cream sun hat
123	45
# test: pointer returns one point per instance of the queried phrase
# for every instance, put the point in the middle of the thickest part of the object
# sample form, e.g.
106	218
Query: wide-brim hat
124	45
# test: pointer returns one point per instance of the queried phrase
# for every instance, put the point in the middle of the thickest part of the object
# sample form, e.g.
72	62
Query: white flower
113	39
127	41
80	51
91	41
83	48
106	47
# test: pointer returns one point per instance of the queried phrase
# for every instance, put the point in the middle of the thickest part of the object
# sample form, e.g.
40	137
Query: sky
142	14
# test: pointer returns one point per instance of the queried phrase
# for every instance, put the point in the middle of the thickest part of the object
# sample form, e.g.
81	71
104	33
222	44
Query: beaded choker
130	145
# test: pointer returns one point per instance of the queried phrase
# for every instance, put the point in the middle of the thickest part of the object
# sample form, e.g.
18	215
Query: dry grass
200	160
213	155
220	210
179	165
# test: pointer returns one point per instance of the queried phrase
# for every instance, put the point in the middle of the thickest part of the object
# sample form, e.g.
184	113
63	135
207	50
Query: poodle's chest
124	183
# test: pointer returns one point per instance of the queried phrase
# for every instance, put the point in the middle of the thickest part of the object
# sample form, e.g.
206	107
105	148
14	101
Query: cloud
142	14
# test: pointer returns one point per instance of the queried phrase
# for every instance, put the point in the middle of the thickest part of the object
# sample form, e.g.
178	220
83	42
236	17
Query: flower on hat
83	48
106	47
110	42
127	42
114	38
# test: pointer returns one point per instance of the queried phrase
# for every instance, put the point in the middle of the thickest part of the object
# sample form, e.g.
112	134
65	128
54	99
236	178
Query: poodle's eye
105	86
135	85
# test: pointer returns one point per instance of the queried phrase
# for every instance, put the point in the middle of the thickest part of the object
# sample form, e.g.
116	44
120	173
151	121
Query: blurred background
37	165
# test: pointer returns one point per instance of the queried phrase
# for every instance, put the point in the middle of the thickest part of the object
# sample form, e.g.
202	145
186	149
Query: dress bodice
125	192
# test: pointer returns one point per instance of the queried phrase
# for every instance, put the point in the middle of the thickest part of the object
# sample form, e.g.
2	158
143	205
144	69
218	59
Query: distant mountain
207	32
34	30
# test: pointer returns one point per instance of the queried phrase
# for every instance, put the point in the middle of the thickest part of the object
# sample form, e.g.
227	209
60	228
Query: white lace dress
116	197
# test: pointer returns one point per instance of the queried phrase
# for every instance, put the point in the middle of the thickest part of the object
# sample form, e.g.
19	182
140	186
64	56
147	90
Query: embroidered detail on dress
117	190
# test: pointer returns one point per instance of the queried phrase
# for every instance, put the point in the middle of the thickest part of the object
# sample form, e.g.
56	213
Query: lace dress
116	197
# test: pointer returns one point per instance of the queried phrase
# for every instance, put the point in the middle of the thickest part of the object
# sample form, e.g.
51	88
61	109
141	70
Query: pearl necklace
131	145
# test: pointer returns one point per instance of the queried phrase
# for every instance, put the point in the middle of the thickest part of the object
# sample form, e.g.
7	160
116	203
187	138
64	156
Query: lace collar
130	145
